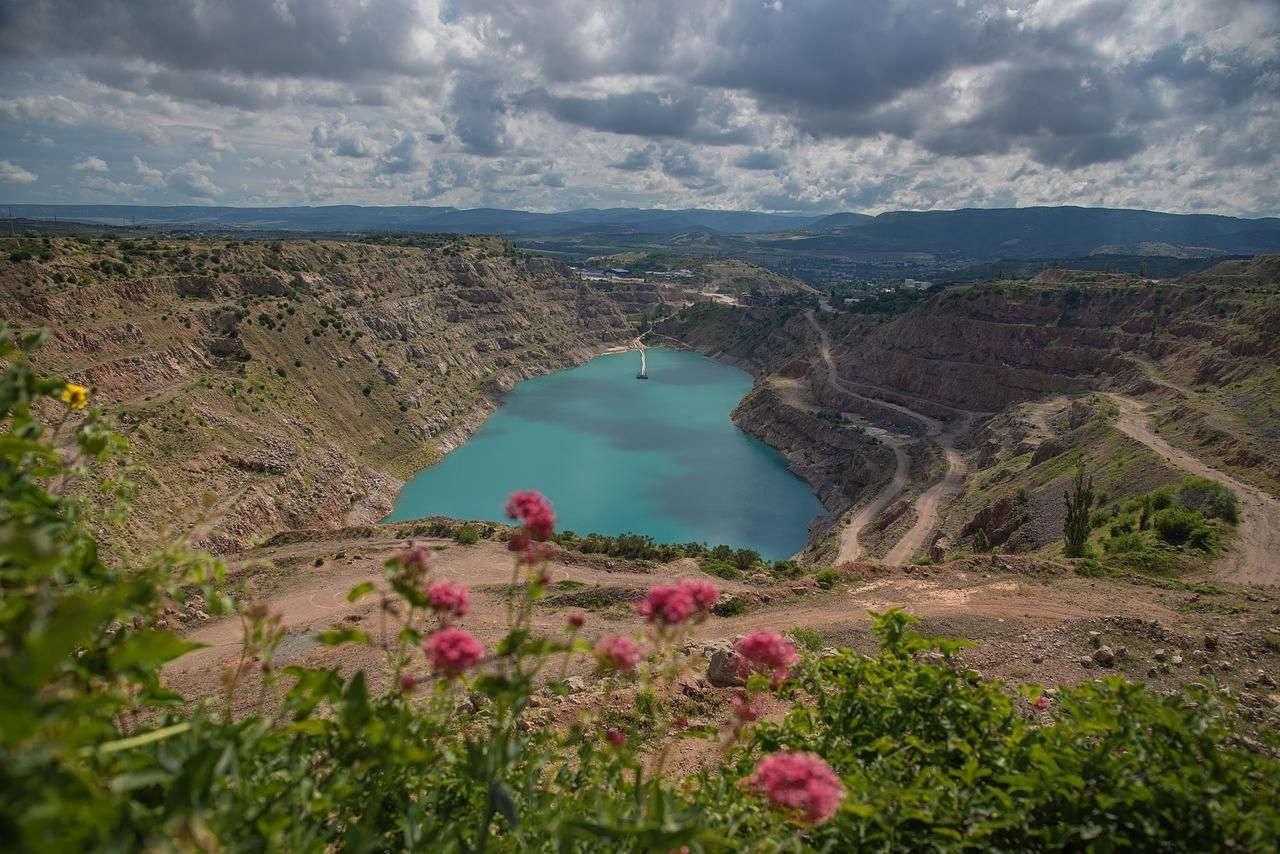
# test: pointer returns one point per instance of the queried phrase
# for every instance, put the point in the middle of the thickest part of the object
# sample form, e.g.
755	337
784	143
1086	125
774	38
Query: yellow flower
75	396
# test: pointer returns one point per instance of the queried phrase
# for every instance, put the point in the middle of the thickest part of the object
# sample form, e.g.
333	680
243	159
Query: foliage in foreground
899	750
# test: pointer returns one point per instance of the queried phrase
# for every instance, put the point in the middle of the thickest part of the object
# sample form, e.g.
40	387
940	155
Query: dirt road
913	542
930	501
973	599
850	548
1254	556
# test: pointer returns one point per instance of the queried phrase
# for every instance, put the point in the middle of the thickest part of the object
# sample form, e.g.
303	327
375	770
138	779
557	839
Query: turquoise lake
616	454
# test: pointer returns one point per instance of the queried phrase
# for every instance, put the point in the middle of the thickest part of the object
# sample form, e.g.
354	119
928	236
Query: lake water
616	454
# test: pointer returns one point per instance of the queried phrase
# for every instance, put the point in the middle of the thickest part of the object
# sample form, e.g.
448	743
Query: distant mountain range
970	235
356	218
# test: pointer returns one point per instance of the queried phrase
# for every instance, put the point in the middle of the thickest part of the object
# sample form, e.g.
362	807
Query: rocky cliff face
268	386
841	463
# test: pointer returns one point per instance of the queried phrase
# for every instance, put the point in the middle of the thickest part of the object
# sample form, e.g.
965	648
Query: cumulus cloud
790	104
89	163
12	173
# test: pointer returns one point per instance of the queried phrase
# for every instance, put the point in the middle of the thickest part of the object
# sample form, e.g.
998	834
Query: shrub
827	578
719	569
735	606
787	569
810	640
1175	525
467	535
1211	498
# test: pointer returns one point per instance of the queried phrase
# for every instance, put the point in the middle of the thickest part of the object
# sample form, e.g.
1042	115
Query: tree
1079	501
981	545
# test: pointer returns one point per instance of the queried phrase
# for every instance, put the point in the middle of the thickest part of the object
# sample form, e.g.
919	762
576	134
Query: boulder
724	667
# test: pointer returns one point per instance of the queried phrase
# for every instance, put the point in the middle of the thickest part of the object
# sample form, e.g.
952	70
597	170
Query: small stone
1105	656
1086	661
1151	672
1122	652
575	685
1160	655
1225	664
1163	668
1198	655
1210	642
932	658
1037	659
1176	660
1095	639
201	615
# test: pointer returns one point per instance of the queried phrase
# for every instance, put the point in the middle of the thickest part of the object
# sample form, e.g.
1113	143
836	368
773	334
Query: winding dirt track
929	501
1254	557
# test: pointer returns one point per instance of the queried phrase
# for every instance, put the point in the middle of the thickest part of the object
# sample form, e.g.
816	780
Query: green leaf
148	649
337	637
355	711
359	591
503	803
145	738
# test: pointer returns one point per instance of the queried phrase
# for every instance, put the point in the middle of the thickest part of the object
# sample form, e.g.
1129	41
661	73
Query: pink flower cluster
416	559
748	708
1041	703
452	652
615	652
532	510
449	599
799	784
766	652
671	606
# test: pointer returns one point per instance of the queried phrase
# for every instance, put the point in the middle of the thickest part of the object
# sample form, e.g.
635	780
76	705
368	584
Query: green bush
735	606
810	640
467	535
827	578
1175	525
1211	498
719	569
1118	766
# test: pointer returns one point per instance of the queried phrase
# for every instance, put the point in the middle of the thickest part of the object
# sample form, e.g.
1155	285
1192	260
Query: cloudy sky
804	105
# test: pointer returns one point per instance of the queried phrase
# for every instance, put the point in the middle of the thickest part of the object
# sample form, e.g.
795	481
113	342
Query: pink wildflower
452	651
764	652
672	606
407	683
747	708
799	784
615	652
415	558
703	593
576	619
449	599
1041	703
616	737
535	553
533	510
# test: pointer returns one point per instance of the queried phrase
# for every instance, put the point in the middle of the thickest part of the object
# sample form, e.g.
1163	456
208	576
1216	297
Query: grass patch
807	639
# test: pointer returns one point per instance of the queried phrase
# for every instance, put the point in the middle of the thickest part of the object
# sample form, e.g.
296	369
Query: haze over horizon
814	107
